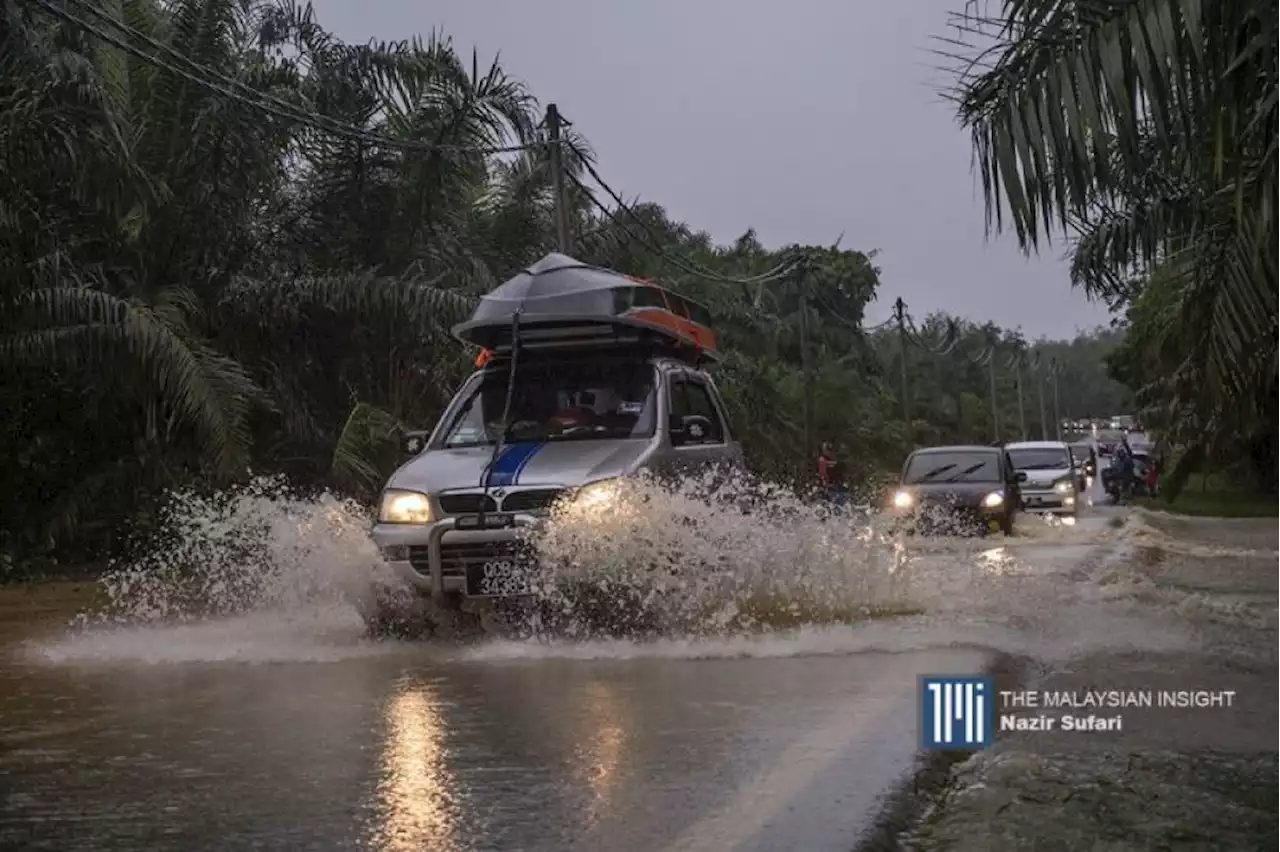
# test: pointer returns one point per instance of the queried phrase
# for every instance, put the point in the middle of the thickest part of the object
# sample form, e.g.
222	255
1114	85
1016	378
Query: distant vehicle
1051	483
1108	440
1085	464
968	488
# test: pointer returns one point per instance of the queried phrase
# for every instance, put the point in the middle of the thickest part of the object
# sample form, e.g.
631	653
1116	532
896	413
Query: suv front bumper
433	558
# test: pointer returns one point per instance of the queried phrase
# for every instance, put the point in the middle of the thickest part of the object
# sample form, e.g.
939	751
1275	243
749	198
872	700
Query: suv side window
690	396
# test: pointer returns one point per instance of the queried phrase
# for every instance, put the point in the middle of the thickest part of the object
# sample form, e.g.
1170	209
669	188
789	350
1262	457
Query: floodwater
278	726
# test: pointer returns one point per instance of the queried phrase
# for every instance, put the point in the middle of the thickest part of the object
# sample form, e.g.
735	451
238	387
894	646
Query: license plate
489	521
498	578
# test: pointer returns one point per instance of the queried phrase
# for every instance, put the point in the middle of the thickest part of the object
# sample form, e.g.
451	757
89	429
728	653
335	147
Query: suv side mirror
413	442
690	429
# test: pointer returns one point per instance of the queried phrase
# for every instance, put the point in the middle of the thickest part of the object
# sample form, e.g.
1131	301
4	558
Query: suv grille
454	558
466	504
531	501
516	501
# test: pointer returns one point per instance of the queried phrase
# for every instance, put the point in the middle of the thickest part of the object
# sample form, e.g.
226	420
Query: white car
1051	484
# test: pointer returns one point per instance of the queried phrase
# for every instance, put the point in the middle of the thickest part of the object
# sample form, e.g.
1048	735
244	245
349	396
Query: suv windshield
958	466
558	401
1042	458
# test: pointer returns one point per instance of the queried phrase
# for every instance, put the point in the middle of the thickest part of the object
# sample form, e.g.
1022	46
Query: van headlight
995	498
902	500
404	507
597	495
1062	486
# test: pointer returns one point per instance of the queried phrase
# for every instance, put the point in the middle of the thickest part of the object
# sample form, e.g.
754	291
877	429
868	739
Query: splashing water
717	568
703	556
259	547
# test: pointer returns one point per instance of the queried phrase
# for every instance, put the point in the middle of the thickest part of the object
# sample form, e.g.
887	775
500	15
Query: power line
650	241
218	83
778	272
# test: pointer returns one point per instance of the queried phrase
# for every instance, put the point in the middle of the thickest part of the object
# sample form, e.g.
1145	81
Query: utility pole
1044	424
991	375
1022	409
806	362
557	180
1057	415
900	309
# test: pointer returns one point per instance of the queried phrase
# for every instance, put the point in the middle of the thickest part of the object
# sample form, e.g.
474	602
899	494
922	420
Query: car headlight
1063	486
404	507
995	498
902	500
597	495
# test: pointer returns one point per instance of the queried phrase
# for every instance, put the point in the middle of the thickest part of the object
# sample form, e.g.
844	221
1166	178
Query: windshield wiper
965	472
578	436
937	470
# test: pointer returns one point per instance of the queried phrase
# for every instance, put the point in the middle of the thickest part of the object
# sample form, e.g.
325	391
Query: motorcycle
1112	481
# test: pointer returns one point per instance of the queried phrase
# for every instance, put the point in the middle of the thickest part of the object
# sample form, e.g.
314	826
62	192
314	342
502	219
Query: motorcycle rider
1124	460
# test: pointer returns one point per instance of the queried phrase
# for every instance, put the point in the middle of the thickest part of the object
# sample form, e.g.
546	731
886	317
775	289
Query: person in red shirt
826	465
830	474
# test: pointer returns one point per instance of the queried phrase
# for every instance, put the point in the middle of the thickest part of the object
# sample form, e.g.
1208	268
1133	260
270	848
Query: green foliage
1147	128
193	285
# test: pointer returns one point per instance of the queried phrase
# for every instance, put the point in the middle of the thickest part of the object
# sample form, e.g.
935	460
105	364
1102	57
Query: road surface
255	734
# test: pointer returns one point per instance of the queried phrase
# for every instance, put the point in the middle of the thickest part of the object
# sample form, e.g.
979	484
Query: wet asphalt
783	745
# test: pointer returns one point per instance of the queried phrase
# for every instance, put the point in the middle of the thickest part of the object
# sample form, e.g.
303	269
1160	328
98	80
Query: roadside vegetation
1216	497
1145	132
234	244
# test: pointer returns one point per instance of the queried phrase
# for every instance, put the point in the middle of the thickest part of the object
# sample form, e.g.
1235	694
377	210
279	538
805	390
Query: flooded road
284	729
402	754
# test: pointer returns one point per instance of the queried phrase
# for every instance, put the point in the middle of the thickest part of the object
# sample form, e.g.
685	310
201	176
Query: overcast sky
804	119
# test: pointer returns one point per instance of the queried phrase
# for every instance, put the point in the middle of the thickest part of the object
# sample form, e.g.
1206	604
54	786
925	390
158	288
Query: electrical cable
262	101
836	314
650	243
890	321
780	271
942	347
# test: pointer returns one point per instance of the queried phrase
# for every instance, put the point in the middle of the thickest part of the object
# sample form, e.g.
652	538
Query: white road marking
769	794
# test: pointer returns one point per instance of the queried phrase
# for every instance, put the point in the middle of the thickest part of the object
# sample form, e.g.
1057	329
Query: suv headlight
902	500
1062	486
404	507
597	495
995	498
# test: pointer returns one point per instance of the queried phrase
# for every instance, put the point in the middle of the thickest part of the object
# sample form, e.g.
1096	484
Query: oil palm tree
1147	128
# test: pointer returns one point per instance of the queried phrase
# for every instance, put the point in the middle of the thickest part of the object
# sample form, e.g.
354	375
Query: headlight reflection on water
603	744
418	798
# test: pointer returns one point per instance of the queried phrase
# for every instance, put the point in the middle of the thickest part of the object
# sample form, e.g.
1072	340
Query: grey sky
804	119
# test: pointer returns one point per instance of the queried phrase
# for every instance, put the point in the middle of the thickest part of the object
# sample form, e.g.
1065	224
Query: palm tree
1147	127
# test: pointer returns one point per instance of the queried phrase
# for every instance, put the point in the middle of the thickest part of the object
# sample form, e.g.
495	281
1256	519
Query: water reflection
417	790
603	745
